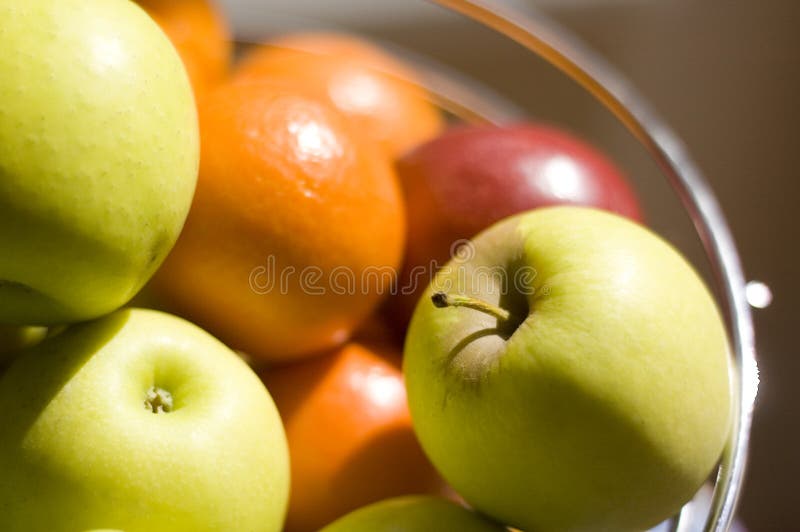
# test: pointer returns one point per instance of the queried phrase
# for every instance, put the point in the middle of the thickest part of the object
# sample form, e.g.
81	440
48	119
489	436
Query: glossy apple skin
607	407
472	176
98	156
79	450
414	513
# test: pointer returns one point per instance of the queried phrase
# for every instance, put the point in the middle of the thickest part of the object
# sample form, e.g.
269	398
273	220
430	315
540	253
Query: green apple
139	421
98	156
587	387
413	513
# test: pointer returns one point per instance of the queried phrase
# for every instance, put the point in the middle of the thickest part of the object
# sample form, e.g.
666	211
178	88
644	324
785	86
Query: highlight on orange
380	93
199	31
349	431
296	230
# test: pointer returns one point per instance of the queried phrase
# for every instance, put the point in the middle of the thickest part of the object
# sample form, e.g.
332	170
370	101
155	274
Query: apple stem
442	300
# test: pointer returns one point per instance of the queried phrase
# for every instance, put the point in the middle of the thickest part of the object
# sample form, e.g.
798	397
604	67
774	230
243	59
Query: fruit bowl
566	368
616	94
612	90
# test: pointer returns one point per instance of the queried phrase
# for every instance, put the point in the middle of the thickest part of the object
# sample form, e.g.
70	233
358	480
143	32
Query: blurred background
725	75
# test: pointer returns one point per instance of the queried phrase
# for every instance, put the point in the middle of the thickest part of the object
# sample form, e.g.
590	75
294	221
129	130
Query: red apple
472	176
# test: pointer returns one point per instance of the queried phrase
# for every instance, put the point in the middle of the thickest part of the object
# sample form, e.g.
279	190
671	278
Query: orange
349	431
200	33
378	92
296	229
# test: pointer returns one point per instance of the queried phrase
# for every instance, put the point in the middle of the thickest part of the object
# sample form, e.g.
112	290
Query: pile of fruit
362	317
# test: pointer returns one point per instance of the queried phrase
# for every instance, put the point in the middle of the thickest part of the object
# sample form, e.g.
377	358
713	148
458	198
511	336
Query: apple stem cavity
443	300
158	400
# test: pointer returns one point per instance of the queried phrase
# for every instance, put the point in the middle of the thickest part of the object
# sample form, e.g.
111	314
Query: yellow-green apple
472	176
413	513
577	376
98	156
139	421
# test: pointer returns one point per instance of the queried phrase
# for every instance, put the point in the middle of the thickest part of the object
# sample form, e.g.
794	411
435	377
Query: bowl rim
567	53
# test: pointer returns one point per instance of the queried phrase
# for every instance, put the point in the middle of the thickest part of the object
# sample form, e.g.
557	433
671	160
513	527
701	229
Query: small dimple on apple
158	400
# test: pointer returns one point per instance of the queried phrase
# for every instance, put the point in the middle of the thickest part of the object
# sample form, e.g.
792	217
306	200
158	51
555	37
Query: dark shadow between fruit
316	369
